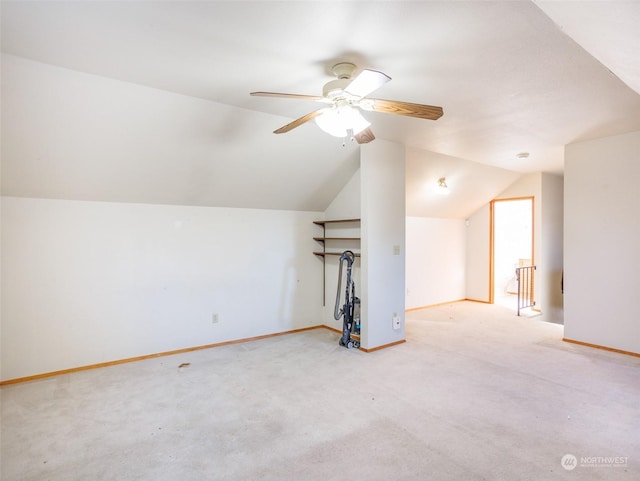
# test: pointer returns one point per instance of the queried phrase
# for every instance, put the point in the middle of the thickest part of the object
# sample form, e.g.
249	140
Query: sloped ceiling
512	77
608	30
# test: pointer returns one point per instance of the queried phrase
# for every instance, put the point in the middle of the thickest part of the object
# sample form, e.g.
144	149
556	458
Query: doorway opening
511	247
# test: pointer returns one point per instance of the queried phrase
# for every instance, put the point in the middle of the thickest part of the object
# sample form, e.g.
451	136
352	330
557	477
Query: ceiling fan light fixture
346	96
342	121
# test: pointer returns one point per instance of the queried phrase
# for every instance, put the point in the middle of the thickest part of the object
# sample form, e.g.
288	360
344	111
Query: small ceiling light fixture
523	155
443	188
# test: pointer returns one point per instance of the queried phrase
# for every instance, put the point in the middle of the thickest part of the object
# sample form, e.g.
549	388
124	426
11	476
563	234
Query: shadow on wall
555	295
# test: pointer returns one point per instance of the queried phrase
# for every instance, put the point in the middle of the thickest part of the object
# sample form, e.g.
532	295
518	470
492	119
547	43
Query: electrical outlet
214	318
395	322
396	250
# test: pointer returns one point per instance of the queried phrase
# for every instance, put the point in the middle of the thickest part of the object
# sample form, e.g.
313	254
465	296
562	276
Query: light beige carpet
476	393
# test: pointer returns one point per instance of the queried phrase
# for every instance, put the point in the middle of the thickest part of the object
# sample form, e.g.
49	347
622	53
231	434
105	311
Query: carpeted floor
475	393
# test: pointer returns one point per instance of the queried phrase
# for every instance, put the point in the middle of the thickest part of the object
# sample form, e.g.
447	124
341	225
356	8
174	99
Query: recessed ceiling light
523	155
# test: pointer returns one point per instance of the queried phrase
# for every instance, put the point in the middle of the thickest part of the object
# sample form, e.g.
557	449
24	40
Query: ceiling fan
345	97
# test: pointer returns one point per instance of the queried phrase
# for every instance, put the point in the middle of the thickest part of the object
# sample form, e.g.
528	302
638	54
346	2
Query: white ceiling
512	76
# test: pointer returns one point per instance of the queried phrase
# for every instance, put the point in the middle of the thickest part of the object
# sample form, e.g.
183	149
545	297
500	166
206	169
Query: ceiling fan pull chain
350	136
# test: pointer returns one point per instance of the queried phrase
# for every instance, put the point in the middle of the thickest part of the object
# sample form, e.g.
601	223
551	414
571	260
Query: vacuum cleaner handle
349	257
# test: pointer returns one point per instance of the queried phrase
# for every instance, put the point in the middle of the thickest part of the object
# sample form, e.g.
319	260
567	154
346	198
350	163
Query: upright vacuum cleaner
350	311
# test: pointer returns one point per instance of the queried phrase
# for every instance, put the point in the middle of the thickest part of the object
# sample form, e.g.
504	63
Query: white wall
382	168
73	135
551	261
435	270
91	282
477	255
346	205
602	235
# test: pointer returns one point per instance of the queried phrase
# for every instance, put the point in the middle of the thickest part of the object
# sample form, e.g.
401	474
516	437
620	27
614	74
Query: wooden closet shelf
337	238
335	221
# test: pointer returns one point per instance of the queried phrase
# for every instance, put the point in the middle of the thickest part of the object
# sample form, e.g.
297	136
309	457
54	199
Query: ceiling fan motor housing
335	88
343	70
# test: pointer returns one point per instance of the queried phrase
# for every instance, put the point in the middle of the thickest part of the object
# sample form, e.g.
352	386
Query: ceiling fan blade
288	96
428	112
366	82
365	136
298	122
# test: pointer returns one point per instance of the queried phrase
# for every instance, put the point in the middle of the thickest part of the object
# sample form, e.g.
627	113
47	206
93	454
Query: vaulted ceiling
512	77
